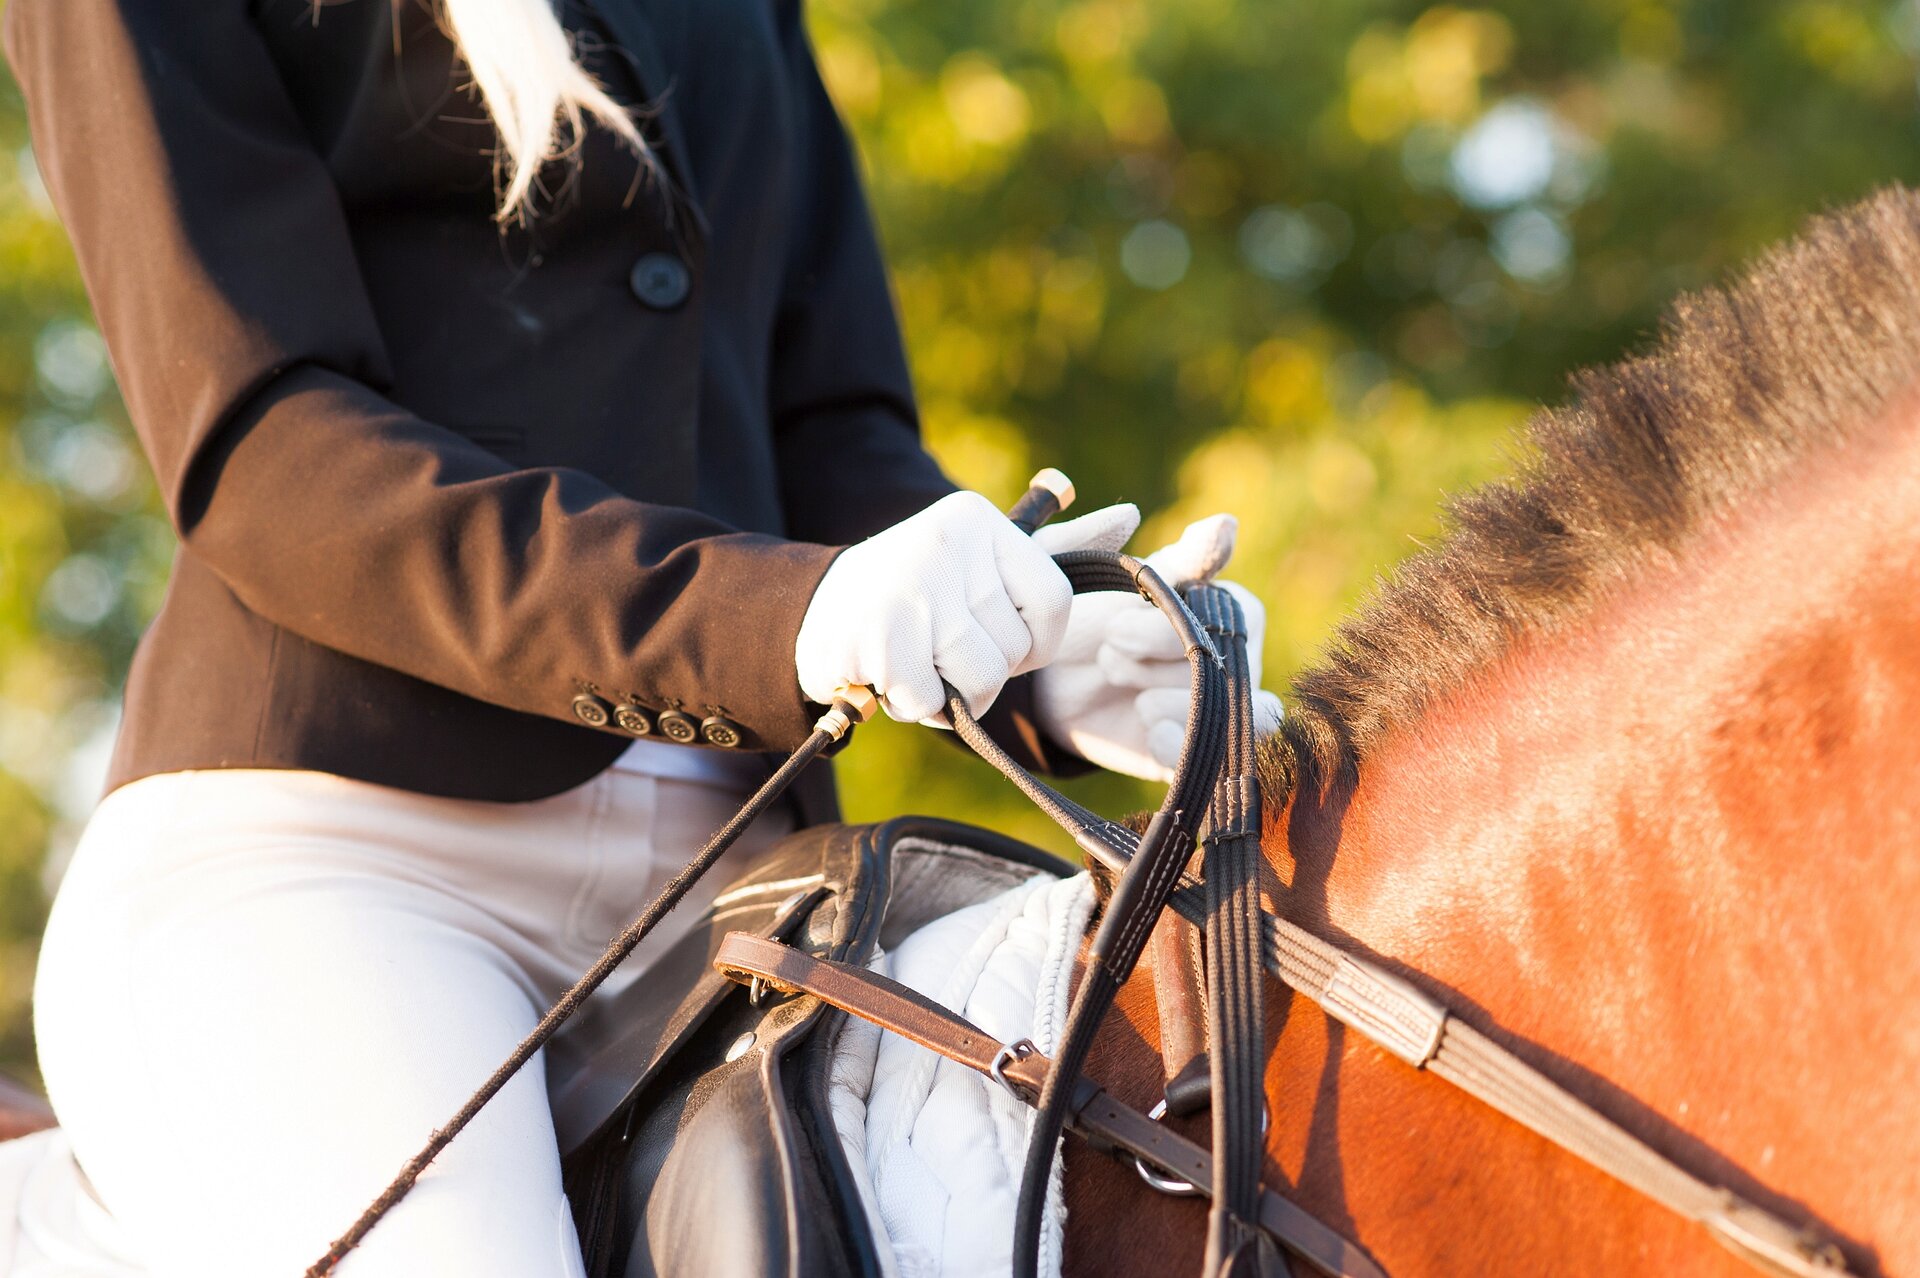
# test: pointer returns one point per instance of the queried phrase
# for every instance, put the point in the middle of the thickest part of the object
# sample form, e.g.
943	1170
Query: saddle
691	1099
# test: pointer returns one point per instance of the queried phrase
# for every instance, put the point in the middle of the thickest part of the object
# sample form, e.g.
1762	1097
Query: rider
515	458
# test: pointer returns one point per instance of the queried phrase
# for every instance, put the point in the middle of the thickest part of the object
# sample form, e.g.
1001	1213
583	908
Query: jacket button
661	280
724	733
591	710
633	720
677	727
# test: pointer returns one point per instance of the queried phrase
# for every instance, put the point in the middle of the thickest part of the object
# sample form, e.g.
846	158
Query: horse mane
1806	352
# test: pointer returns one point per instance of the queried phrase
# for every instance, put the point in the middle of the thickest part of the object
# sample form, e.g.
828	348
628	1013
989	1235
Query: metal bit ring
1173	1185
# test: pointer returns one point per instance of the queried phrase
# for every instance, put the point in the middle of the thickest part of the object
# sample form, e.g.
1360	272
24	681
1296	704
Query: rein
1214	804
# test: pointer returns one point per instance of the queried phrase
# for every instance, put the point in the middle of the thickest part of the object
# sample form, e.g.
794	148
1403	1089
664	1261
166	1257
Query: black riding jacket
447	494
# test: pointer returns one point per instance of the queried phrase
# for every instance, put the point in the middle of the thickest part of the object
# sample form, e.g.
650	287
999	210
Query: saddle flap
685	1062
613	1048
838	890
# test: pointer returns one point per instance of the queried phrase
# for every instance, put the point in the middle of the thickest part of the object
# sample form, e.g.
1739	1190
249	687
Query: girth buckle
1017	1050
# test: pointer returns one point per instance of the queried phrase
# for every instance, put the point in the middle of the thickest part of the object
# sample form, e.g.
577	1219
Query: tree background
1307	262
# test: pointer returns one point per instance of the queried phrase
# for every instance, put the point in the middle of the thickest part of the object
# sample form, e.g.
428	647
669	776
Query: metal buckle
1173	1185
1009	1053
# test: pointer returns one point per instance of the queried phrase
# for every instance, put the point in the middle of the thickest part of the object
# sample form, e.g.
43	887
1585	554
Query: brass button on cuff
591	710
721	732
632	720
679	728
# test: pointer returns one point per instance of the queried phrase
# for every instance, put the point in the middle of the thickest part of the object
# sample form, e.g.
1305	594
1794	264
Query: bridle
1213	804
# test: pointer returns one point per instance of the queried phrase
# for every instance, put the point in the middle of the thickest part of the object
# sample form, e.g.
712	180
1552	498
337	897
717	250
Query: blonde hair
533	87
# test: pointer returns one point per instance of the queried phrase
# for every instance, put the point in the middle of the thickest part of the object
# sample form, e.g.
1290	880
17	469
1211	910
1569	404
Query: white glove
1117	692
956	592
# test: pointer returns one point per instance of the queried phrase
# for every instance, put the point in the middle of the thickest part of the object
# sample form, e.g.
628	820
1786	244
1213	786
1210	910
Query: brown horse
1627	773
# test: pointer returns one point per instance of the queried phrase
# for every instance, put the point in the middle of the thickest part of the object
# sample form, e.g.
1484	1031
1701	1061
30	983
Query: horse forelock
1805	354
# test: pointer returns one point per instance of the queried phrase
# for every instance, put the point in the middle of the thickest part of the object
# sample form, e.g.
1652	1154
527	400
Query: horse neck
1674	841
1742	717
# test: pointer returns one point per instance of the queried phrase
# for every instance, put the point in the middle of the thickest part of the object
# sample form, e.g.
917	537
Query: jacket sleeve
848	436
213	244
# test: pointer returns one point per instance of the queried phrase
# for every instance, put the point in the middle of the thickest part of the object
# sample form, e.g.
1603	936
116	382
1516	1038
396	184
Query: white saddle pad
941	1147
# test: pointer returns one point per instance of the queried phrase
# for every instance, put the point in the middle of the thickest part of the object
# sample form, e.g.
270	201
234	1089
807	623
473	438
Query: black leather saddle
692	1115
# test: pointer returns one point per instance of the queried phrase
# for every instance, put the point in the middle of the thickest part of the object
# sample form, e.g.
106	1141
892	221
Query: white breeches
259	992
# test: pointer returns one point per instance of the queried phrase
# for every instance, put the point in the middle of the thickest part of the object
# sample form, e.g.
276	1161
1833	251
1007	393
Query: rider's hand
1117	691
956	592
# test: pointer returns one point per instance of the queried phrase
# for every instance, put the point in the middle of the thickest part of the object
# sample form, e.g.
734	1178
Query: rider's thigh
246	1042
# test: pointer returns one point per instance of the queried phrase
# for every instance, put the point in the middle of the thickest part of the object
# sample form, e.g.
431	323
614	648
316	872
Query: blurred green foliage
1307	262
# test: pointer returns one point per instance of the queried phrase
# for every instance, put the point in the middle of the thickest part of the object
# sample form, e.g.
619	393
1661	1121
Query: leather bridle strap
1236	1007
1216	777
1141	891
1420	1030
1180	1003
1092	1113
